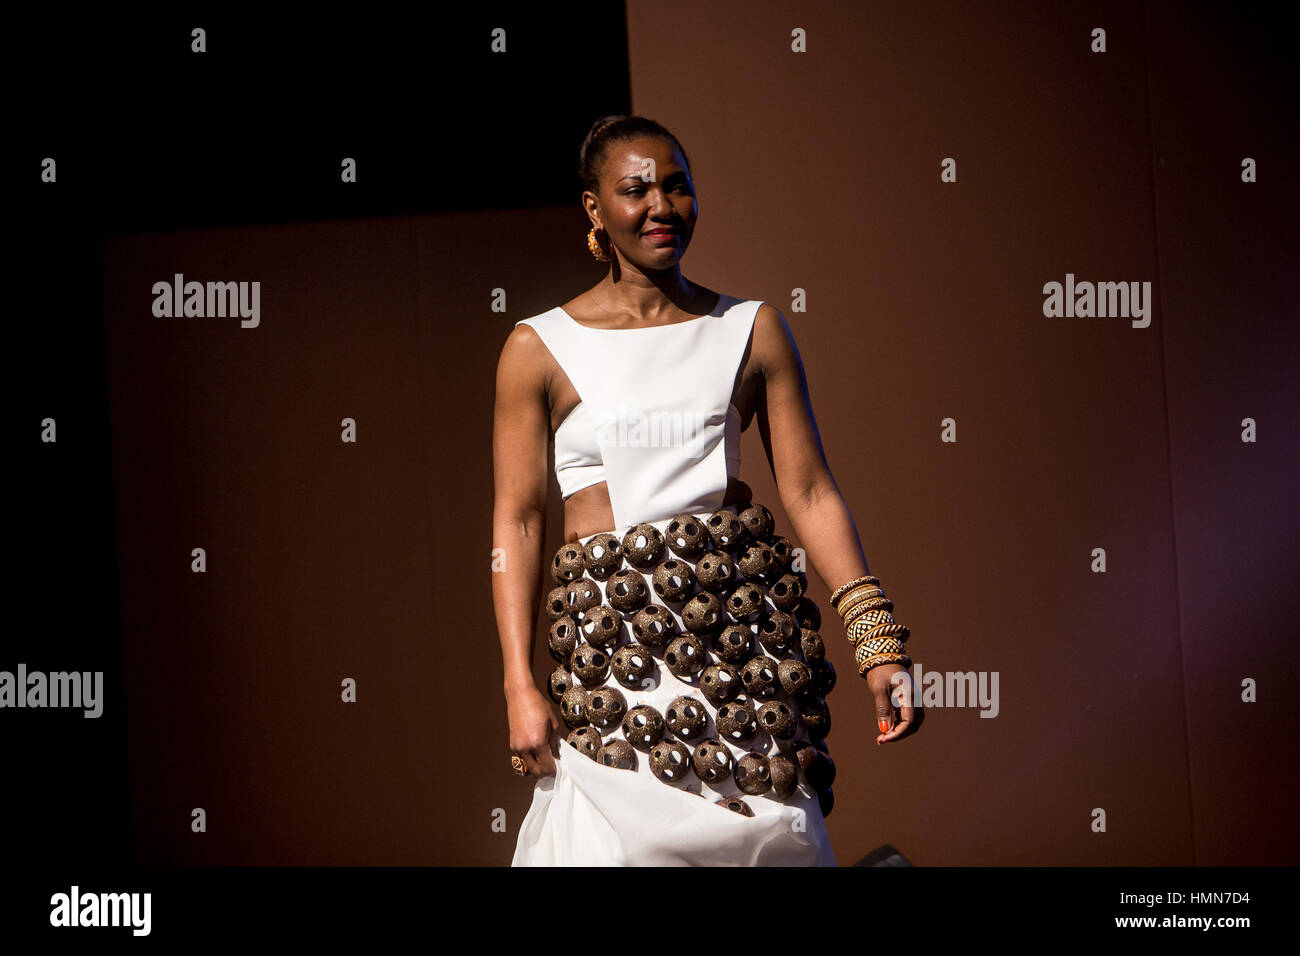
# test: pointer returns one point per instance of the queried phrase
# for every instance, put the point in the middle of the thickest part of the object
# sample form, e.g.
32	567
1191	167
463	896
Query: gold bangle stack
870	625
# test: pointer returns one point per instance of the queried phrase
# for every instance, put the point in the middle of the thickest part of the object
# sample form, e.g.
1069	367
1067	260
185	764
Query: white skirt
589	814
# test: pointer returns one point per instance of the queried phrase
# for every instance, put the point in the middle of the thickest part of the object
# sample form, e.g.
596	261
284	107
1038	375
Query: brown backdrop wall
913	301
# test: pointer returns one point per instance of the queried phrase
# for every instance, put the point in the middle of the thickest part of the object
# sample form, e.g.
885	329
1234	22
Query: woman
691	676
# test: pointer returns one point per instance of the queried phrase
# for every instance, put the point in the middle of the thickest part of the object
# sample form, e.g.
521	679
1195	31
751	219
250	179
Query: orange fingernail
883	725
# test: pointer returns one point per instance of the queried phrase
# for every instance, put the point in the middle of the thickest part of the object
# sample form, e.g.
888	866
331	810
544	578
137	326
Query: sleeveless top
655	418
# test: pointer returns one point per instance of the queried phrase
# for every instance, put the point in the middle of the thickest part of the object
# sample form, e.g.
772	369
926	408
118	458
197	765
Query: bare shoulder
774	345
524	356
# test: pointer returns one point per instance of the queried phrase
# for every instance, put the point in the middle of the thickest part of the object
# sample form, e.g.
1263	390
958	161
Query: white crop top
654	418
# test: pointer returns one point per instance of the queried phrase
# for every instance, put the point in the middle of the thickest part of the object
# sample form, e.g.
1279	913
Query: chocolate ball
812	645
735	805
618	754
815	715
580	595
712	760
562	638
590	664
632	664
670	761
759	677
715	571
745	601
654	626
720	683
643	726
557	602
783	551
685	655
686	717
603	555
568	564
687	536
785	775
786	591
586	740
753	776
601	625
702	614
777	632
826	800
606	706
735	644
817	766
807	616
758	563
673	581
644	545
795	676
727	530
776	718
758	521
823	677
559	681
737	719
573	707
626	590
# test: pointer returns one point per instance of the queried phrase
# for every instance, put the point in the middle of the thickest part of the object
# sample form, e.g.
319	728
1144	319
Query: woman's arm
520	428
811	499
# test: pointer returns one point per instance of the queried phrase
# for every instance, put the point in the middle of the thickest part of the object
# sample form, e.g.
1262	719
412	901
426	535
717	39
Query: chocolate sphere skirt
691	681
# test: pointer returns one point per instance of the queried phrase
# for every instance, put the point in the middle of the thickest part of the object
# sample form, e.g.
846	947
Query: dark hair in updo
612	129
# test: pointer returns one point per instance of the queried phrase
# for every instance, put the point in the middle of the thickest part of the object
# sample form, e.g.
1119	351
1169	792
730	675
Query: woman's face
632	206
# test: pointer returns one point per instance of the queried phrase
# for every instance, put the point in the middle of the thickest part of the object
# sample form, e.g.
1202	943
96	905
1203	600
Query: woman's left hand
896	712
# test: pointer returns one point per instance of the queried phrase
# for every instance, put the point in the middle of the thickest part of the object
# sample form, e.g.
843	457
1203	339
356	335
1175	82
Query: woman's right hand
534	730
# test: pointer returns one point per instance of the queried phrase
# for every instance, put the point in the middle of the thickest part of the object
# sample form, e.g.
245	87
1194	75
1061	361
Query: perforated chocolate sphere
600	625
758	563
807	615
603	555
685	655
715	571
686	717
626	590
735	805
557	602
812	645
826	800
632	664
606	707
817	766
758	521
617	753
795	676
777	632
720	683
786	591
727	530
687	537
753	775
559	681
562	638
785	774
573	707
673	581
702	614
735	644
759	677
654	626
590	664
712	760
643	726
745	601
815	715
670	761
823	677
777	719
580	595
737	719
568	564
644	545
782	550
586	740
